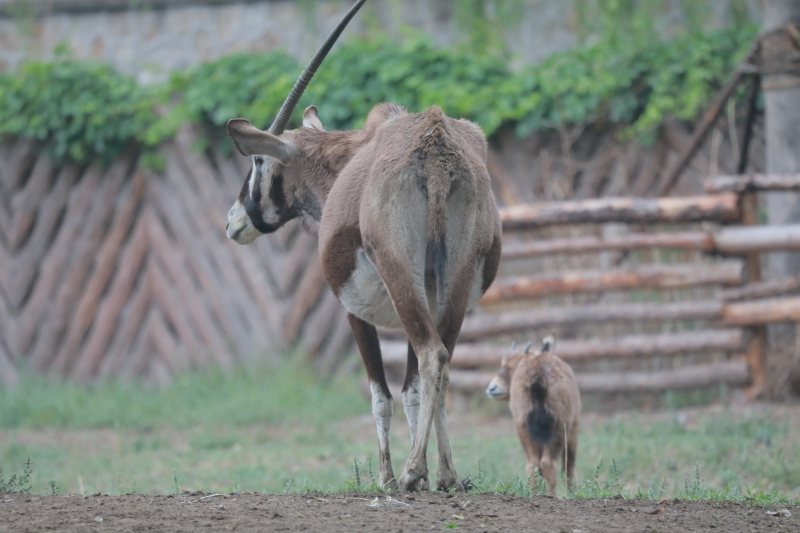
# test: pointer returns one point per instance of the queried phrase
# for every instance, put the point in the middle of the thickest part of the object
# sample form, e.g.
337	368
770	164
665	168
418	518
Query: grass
279	430
210	398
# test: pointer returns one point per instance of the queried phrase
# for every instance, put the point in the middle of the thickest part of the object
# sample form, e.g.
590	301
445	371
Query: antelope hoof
410	482
445	484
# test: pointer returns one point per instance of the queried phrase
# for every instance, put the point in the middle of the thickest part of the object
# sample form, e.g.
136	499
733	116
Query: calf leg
572	453
382	407
547	466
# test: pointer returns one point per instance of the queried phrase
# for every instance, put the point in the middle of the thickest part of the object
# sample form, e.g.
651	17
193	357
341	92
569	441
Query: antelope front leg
431	363
446	477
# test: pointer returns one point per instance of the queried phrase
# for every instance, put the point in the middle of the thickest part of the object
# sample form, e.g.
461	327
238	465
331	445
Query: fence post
748	207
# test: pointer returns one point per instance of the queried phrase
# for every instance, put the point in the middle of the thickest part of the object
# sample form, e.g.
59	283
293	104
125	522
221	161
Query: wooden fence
722	304
123	272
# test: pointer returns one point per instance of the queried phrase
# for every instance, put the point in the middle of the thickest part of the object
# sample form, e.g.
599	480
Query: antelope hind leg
446	477
382	408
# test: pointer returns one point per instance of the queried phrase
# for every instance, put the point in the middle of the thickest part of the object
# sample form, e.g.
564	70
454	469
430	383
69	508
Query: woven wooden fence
121	272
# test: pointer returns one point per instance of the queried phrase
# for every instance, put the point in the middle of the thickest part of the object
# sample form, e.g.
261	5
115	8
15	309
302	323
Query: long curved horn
297	91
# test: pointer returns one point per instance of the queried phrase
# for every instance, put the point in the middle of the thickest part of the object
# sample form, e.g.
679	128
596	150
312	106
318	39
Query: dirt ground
359	512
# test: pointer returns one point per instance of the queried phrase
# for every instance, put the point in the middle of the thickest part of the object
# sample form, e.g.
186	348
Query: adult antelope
409	235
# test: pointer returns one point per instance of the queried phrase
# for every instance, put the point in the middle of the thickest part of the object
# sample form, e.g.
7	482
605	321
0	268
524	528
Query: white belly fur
365	295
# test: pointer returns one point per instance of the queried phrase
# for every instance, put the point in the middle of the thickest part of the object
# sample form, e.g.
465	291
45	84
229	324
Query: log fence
731	321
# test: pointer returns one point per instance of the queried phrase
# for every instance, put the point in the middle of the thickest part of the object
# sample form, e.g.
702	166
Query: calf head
500	385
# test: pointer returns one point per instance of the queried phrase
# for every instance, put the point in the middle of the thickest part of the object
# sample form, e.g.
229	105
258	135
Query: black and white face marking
255	213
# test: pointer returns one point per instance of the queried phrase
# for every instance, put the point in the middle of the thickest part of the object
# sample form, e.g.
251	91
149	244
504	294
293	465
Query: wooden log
128	324
631	346
208	184
24	205
172	258
752	182
122	294
52	268
759	312
78	267
50	207
719	208
632	278
168	197
762	289
103	269
729	240
17	161
173	355
136	360
204	239
732	373
482	326
694	240
755	239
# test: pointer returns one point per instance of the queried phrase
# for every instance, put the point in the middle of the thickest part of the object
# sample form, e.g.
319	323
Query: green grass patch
279	430
211	398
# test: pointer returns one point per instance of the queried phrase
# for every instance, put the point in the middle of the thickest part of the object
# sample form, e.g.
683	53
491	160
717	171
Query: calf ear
250	140
311	120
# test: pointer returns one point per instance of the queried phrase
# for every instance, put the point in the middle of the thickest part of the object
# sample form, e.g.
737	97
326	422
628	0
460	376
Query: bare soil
361	512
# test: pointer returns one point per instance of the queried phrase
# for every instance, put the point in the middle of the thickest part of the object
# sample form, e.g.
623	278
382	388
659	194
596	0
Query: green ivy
78	110
83	110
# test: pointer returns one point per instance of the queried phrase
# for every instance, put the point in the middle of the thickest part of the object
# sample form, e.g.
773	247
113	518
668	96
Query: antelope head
265	203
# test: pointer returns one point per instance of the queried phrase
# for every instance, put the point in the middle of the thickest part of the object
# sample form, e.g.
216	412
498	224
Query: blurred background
142	350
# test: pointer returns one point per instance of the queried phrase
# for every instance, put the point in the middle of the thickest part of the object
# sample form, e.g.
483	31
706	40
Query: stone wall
149	39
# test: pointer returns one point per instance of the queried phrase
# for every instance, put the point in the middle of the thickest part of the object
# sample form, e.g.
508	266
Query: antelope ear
503	361
311	120
250	140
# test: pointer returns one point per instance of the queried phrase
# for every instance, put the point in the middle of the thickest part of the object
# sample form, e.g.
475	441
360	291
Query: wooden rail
633	346
633	278
732	373
752	182
716	208
728	240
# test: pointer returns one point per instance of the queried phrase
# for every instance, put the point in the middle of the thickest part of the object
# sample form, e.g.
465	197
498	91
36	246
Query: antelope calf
545	405
409	236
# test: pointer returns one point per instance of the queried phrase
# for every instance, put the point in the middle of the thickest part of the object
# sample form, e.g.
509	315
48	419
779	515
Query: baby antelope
545	405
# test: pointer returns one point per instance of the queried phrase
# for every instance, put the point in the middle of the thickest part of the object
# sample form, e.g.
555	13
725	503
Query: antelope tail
438	187
540	420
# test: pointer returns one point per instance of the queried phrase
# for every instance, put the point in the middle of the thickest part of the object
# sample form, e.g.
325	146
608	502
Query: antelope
545	405
409	236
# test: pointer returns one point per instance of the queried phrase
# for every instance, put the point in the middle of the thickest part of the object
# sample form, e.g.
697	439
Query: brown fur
545	404
411	193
